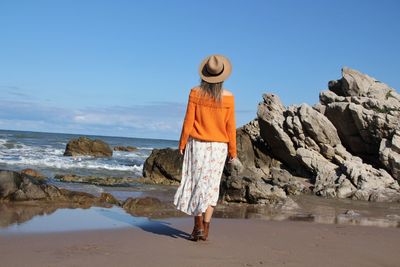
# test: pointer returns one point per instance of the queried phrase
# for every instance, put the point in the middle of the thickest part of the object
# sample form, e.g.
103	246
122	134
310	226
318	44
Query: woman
208	136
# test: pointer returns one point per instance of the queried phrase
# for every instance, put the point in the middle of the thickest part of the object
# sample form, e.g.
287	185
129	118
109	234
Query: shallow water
78	219
38	218
320	210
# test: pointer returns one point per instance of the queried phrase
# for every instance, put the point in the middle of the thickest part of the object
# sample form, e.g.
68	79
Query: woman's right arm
187	125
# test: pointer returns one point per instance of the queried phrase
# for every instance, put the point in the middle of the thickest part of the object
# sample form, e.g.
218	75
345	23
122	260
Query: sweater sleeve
187	124
231	130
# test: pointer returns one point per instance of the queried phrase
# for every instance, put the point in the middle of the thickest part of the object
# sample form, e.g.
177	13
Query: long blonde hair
213	90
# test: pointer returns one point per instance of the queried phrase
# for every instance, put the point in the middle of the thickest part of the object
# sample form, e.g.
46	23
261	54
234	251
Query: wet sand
233	242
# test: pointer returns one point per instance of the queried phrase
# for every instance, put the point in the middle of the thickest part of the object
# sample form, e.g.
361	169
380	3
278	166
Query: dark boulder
15	187
84	146
163	166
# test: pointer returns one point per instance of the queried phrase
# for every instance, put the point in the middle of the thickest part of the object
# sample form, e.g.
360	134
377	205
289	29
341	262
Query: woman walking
208	137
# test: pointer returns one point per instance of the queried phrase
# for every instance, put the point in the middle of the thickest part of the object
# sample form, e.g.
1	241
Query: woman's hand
181	151
231	159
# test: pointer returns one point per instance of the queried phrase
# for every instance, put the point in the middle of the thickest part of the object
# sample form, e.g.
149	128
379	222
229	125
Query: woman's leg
208	214
206	222
198	228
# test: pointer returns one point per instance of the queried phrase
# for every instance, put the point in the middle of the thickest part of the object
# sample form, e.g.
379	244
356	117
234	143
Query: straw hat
215	69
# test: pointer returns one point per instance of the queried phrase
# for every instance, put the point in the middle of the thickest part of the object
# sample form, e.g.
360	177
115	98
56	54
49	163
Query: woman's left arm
231	130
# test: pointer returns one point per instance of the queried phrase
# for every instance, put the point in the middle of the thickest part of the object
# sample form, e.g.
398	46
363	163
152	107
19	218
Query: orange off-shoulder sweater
208	120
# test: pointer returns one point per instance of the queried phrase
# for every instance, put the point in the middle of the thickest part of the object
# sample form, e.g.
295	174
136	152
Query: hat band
219	73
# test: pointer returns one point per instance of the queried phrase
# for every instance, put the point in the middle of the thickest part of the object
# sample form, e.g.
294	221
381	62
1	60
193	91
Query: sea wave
70	164
50	157
3	141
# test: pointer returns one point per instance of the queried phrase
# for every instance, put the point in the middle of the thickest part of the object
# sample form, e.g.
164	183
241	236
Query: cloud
14	91
160	119
153	120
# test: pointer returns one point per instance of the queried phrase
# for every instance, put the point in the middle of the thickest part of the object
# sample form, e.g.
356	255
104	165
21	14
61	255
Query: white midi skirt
202	168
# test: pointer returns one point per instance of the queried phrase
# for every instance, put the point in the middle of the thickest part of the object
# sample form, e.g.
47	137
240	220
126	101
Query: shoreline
233	242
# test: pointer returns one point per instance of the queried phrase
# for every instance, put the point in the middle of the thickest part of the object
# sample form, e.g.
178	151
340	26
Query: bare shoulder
227	93
195	89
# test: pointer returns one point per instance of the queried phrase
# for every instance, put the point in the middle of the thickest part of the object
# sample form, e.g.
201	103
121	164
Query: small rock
108	198
125	148
351	213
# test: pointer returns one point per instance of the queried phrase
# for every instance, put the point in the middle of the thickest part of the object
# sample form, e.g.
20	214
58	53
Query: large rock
364	111
84	146
252	190
389	153
252	153
308	141
163	166
290	184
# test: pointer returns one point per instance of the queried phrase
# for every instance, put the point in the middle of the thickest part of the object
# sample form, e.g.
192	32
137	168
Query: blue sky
124	68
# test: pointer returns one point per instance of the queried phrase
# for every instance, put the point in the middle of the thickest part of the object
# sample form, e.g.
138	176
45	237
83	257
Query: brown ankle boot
198	229
206	229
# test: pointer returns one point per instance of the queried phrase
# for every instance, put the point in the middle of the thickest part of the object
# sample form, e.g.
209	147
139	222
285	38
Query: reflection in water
66	219
17	213
320	210
37	217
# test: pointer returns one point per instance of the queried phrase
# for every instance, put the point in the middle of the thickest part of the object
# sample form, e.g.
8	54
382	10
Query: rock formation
16	187
346	146
336	143
96	180
84	146
365	112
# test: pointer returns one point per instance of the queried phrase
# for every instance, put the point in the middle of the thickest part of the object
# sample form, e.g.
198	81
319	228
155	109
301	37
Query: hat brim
205	76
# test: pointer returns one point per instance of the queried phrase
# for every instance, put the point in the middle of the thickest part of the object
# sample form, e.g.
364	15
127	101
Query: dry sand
233	242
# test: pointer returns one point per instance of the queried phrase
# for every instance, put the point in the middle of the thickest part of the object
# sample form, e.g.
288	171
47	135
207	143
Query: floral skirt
202	168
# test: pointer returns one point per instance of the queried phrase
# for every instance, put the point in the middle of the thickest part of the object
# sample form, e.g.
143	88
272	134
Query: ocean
44	152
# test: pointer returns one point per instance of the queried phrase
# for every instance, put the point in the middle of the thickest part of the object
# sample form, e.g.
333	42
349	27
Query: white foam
50	157
71	164
3	141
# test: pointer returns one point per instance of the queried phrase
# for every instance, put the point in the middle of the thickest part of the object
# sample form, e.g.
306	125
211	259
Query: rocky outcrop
84	146
256	177
389	153
252	190
365	112
163	166
96	180
308	141
16	187
125	148
253	155
346	146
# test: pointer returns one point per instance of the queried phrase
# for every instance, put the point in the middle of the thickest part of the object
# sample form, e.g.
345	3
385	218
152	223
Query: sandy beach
233	242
